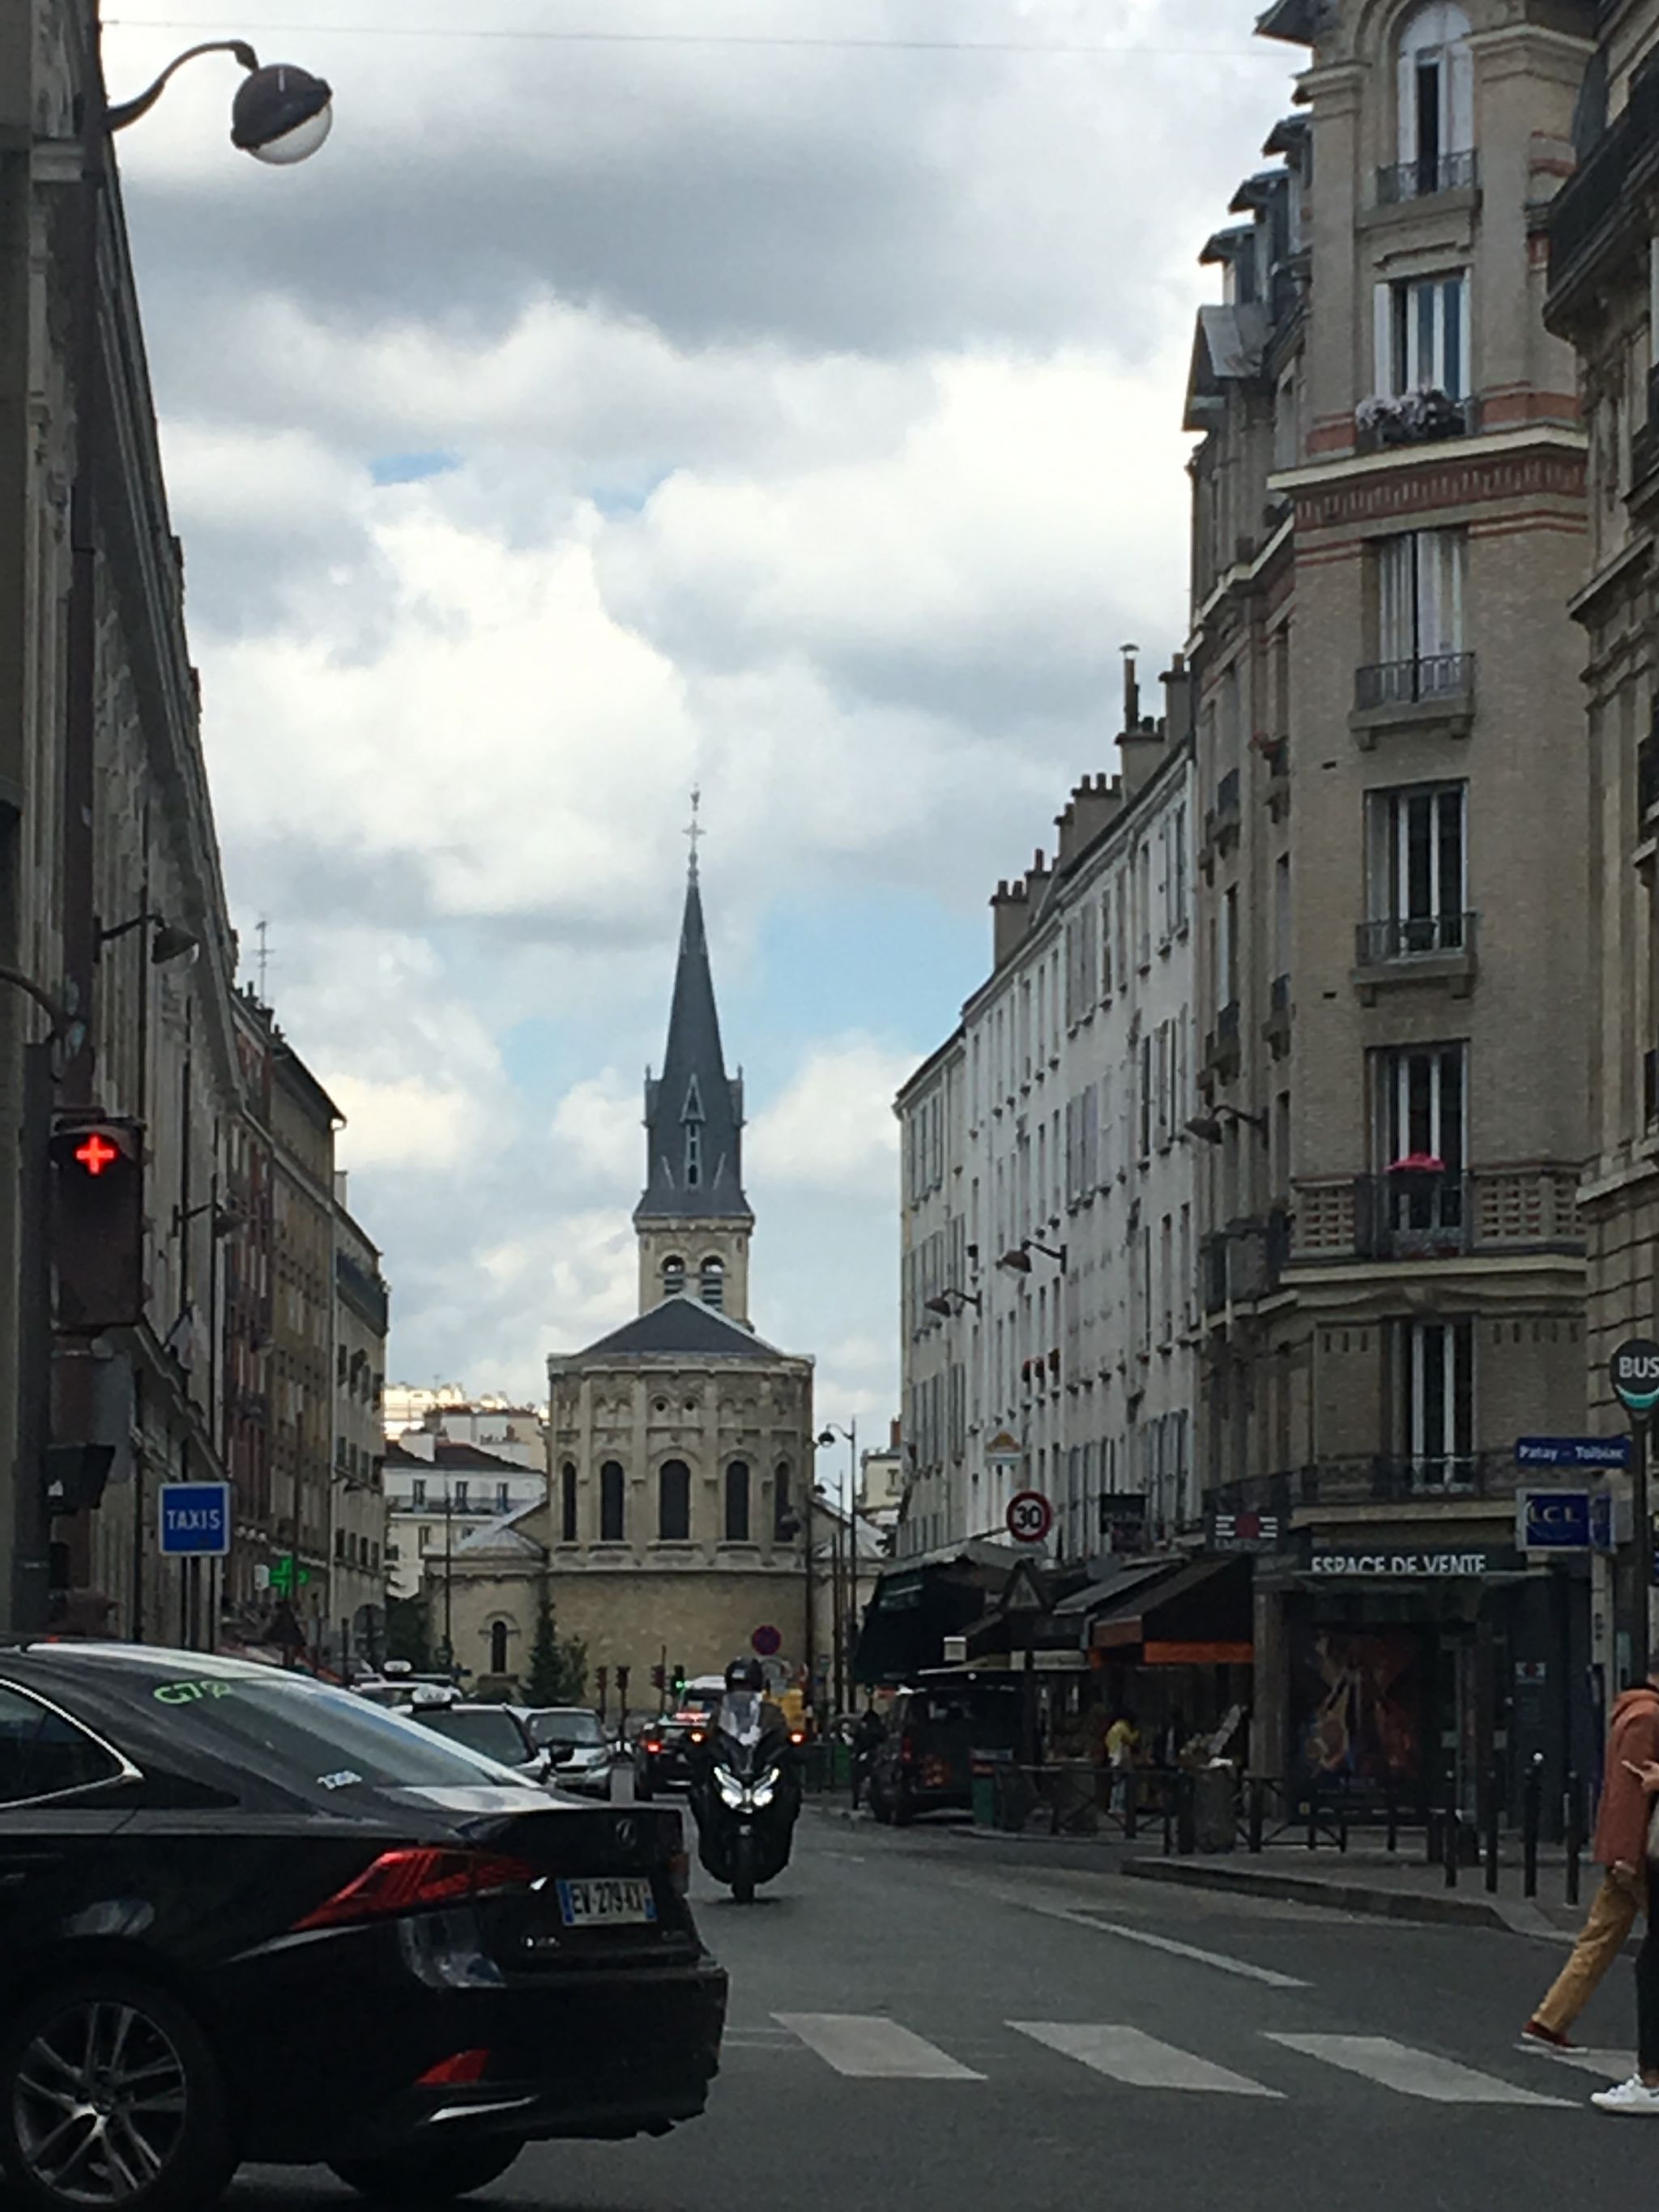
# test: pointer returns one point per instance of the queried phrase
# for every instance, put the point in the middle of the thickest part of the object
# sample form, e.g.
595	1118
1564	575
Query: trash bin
1215	1809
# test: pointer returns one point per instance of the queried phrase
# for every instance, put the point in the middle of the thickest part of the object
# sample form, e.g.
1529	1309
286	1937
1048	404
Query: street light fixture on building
1018	1258
281	114
171	942
941	1303
1207	1127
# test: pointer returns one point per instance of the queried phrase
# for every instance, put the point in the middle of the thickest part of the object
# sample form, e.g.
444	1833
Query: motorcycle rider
738	1843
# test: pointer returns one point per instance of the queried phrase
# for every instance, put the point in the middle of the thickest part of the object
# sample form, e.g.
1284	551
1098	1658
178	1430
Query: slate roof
682	1327
693	1094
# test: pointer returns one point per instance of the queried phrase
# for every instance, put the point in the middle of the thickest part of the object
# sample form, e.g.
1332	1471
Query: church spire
693	1109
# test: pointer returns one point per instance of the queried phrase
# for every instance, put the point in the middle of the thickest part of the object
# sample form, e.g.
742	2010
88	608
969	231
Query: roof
453	1458
1229	346
1133	1575
501	1537
679	1326
693	1111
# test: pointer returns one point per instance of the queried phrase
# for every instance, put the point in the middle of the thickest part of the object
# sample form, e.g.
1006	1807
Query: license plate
605	1901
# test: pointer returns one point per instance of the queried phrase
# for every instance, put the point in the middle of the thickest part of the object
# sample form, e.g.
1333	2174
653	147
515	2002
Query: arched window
673	1276
613	1526
783	1519
737	1502
1436	101
674	1502
713	1273
568	1502
498	1647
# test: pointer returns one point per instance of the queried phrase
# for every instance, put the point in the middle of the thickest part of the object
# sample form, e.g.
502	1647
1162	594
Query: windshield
566	1729
496	1735
289	1727
740	1716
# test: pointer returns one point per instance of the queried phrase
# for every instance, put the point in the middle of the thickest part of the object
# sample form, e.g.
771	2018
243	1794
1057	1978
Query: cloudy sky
781	396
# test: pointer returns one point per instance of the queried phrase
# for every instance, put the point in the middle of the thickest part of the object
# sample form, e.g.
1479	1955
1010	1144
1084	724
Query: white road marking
1247	1968
1140	2060
1414	2073
1612	2065
870	2047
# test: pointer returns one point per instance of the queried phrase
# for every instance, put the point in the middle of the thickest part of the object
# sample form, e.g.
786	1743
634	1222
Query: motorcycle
745	1795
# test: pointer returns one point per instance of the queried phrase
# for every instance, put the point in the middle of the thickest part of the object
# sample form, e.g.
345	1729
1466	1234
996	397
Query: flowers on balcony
1417	1163
1410	418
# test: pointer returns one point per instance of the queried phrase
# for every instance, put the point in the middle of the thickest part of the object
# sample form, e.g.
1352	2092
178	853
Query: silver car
583	1755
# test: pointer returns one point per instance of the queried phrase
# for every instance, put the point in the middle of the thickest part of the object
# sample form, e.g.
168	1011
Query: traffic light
679	1679
657	1679
97	1222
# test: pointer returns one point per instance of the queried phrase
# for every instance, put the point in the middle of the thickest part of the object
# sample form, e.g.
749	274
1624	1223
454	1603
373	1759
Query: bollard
1393	1823
1257	1790
1187	1814
1574	1826
1452	1835
1313	1822
1131	1806
1169	1820
1491	1835
1531	1803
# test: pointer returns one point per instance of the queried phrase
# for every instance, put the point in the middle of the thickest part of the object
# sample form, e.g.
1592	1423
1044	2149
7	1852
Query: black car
245	1917
497	1732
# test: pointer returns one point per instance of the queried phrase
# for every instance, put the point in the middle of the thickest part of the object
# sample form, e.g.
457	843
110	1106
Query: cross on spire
693	828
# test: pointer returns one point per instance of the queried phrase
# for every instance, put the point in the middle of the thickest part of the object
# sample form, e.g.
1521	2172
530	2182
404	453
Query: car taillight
907	1748
466	2066
679	1872
654	1743
414	1879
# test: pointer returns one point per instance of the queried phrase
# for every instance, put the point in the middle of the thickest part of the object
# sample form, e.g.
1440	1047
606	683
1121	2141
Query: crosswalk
874	2047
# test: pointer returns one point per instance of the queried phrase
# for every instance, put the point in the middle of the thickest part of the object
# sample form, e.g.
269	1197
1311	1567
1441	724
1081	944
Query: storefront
1175	1648
1422	1675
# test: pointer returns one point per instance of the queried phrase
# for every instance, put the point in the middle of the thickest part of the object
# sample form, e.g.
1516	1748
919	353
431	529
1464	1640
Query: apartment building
1048	1227
1389	521
358	1563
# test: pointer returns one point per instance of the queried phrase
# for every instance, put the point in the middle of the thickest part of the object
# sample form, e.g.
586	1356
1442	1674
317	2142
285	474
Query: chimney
1093	803
1131	689
1177	699
1011	916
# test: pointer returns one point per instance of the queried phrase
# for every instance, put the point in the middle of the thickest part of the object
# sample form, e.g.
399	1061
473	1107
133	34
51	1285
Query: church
674	1530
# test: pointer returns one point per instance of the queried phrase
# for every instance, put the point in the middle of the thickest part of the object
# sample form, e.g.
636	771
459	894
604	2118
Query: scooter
745	1797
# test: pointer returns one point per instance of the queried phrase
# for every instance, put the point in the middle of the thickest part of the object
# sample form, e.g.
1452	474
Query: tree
406	1632
558	1665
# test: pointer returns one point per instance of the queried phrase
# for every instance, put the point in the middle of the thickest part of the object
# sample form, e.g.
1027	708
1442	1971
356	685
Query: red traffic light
96	1153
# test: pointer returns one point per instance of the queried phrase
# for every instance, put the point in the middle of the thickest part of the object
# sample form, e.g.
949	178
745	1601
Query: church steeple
693	1218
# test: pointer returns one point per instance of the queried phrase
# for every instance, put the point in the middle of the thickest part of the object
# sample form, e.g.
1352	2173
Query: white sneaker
1631	2096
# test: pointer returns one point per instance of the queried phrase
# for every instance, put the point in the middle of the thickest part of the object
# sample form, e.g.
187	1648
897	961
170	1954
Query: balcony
1276	751
1424	948
1434	690
1426	180
1603	198
1647	776
1221	821
1242	1263
1521	1208
1391	419
1372	1479
1414	1215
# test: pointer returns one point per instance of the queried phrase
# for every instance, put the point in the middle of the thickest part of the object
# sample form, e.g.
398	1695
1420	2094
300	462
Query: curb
1346	1897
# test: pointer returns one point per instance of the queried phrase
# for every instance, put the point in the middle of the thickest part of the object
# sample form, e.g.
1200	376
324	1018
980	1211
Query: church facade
674	1530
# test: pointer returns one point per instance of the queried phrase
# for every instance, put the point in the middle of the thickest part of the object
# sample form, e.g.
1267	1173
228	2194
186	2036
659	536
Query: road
926	2021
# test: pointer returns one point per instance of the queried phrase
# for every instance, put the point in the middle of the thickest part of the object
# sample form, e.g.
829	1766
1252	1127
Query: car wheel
109	2095
903	1811
435	2175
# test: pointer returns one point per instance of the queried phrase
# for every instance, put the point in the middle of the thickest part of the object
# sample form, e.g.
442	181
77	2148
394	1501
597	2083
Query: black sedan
245	1916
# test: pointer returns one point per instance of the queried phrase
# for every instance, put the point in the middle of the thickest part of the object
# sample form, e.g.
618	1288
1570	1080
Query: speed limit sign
1030	1516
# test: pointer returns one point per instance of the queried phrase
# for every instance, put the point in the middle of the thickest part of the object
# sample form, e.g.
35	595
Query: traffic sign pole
1633	1371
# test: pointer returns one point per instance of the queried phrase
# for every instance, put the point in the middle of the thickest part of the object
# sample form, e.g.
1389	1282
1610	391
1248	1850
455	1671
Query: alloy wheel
99	2102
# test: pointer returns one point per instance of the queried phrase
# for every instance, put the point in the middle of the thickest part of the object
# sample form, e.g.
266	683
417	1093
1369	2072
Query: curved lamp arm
59	1016
128	111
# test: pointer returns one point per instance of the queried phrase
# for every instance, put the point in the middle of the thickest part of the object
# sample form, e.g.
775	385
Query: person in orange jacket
1620	1850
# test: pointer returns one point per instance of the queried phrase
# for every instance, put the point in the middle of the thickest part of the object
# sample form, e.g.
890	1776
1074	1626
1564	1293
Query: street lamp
839	1566
1018	1258
281	114
171	940
1207	1127
942	1304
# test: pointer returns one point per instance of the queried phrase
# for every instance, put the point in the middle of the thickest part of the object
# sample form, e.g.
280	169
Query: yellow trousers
1612	1914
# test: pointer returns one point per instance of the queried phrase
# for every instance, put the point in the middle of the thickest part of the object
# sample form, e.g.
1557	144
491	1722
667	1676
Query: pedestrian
1122	1745
869	1734
1620	1850
1640	2095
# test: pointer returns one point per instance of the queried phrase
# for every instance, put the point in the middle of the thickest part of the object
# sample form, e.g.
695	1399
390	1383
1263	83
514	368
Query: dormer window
673	1276
1434	122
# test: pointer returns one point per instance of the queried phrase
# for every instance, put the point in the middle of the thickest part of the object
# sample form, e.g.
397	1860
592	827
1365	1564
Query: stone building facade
1389	521
1048	1227
357	1537
680	1446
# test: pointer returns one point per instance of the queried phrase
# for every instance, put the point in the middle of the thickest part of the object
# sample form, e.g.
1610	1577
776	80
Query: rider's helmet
745	1675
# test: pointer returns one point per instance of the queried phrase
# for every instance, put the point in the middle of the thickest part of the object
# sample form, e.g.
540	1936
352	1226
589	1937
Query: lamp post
839	1559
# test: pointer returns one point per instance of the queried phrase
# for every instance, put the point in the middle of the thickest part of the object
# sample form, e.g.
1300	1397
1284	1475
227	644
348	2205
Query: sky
781	397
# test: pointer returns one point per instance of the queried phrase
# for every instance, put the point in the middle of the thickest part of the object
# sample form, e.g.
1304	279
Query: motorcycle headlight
731	1790
767	1788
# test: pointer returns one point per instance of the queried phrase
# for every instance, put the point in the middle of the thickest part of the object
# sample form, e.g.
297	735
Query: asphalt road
929	2022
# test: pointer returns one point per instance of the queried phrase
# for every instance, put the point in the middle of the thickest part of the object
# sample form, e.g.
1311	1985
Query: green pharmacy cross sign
286	1576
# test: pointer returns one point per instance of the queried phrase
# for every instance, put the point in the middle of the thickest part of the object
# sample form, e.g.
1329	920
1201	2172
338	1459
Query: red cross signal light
97	1222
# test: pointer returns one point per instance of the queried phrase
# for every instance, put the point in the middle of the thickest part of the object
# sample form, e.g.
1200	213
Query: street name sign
1573	1451
194	1520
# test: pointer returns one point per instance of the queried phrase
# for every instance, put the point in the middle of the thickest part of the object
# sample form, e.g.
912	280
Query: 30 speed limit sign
1030	1516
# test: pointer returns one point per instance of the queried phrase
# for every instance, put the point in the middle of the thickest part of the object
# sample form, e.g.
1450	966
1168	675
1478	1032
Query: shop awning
915	1607
1112	1587
1199	1616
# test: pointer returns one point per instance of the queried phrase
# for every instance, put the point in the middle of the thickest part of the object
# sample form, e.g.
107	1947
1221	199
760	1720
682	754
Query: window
783	1521
674	1503
712	1277
1282	915
1419	1109
612	1508
1436	119
503	1496
463	1494
44	1755
1423	334
693	1155
417	1491
424	1542
1415	862
1436	1401
737	1502
1226	985
1420	604
498	1647
673	1276
568	1502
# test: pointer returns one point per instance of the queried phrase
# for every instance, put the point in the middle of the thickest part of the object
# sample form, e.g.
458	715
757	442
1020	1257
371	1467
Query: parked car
497	1732
583	1755
924	1765
662	1750
217	1878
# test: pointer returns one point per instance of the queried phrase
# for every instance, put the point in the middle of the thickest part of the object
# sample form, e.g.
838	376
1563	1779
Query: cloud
832	1127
